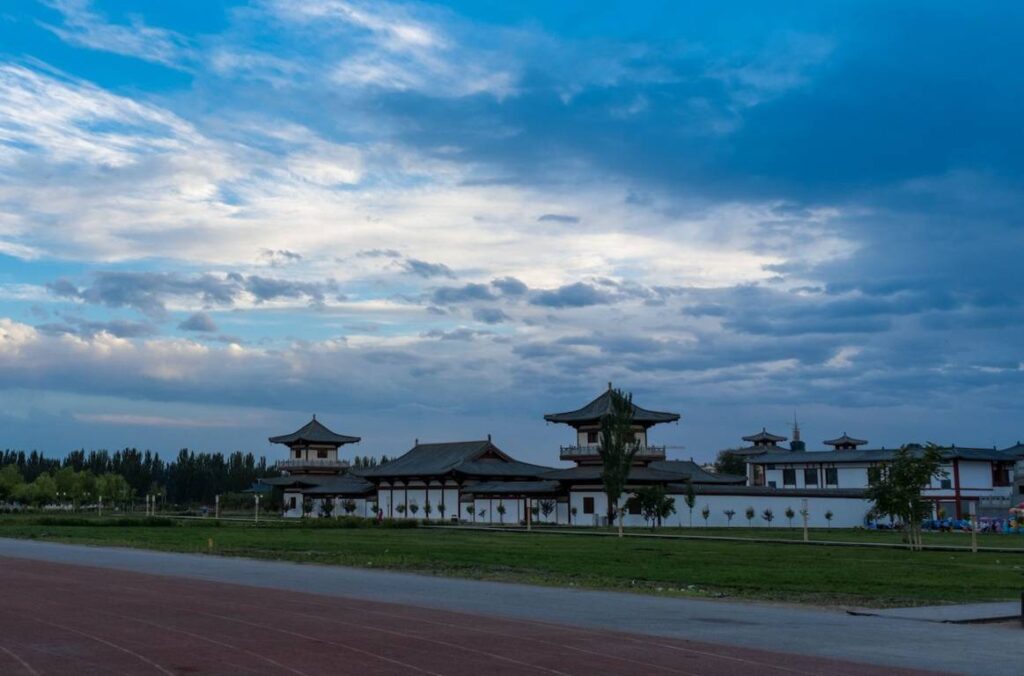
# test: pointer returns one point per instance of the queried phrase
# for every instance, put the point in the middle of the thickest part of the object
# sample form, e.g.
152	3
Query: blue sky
445	220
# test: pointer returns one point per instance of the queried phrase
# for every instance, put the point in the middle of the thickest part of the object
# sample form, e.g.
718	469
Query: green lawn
821	575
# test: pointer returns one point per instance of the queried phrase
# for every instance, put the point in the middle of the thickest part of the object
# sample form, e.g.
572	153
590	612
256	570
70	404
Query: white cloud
83	27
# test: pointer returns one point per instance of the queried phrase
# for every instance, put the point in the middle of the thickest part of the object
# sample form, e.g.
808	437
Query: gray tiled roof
601	407
313	432
312	484
763	435
462	457
593	473
695	473
845	439
871	455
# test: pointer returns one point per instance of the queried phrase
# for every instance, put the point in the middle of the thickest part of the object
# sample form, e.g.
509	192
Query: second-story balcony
591	452
312	465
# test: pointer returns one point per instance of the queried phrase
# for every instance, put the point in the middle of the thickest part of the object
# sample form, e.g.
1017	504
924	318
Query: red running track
63	619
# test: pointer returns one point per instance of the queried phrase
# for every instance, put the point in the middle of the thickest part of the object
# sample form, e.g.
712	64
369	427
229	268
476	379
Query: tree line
122	476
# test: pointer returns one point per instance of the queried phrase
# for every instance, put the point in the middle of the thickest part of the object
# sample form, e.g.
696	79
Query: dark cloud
427	270
455	334
451	295
279	257
510	286
199	321
489	315
574	295
558	218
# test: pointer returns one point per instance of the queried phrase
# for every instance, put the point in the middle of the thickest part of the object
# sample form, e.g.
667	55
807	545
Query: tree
400	509
572	514
471	510
897	492
307	506
546	507
326	507
441	510
789	515
768	515
690	499
729	513
706	512
654	504
729	462
349	505
414	508
617	450
10	479
750	516
501	513
828	517
427	510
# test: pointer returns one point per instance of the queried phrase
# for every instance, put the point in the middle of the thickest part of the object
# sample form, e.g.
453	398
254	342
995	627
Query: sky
442	221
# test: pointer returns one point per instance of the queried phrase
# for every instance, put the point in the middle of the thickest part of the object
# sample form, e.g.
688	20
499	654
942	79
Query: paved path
962	613
809	632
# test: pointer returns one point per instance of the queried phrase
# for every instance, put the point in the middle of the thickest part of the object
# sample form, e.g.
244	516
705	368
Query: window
588	505
831	476
633	506
1000	475
298	454
874	475
321	454
759	475
789	477
291	502
591	437
810	477
771	466
946	484
771	484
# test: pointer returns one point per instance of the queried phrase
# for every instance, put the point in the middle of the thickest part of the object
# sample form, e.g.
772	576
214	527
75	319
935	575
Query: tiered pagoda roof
314	432
602	406
764	437
845	442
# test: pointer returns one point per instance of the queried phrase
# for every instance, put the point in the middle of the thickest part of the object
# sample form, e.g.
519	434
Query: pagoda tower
313	449
587	423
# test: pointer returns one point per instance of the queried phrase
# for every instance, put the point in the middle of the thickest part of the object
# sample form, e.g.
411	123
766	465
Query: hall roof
602	406
845	440
650	473
473	458
872	455
312	484
313	432
763	436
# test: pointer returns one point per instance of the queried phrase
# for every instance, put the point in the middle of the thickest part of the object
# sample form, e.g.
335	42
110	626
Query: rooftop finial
488	436
416	441
314	416
609	385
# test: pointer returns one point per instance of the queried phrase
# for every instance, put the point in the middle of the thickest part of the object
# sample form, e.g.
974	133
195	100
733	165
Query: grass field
817	575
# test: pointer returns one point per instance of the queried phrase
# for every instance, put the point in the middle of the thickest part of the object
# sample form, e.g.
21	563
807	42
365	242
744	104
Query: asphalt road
721	631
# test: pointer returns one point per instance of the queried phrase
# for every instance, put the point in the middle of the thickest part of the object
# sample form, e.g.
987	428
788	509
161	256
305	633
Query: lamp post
216	506
804	513
257	514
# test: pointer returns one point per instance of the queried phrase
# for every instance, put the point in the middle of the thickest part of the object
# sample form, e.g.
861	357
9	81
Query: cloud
510	286
450	295
490	315
199	321
85	28
86	328
558	218
427	270
573	295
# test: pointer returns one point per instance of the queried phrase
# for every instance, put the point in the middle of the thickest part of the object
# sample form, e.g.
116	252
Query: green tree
349	505
729	513
897	492
789	515
617	450
729	462
307	506
828	517
690	500
10	480
414	508
427	510
654	504
326	507
546	507
706	513
471	510
501	513
750	516
769	516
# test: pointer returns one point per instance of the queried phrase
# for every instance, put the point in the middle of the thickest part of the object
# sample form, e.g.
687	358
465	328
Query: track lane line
25	665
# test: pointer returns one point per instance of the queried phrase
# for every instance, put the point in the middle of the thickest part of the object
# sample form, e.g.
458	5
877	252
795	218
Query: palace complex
476	481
